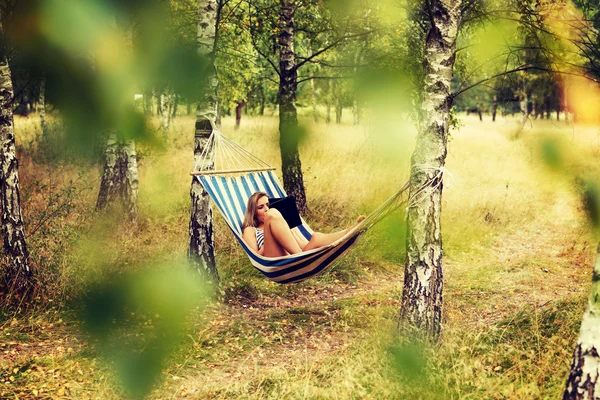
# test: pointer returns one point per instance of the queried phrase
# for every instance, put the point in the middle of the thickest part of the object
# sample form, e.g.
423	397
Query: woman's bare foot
358	221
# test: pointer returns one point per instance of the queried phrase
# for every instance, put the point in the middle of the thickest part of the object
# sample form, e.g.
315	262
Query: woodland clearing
518	263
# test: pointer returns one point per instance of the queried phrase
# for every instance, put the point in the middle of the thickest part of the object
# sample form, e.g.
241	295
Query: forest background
118	281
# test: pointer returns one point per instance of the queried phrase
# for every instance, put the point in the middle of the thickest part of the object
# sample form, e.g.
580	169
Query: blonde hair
250	217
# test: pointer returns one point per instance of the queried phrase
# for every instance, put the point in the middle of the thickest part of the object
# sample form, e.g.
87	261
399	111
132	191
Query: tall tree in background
201	237
119	184
291	167
42	103
18	276
320	35
423	276
166	102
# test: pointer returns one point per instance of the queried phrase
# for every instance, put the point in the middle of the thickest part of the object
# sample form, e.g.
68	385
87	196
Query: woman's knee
273	214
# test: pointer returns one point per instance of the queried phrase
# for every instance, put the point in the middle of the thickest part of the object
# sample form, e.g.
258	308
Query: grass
517	265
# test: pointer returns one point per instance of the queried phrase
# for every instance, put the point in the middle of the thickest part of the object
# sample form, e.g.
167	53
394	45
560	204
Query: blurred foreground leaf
551	153
137	320
410	361
591	202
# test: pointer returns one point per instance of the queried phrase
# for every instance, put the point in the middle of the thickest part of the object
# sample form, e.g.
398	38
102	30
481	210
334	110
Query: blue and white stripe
260	238
231	195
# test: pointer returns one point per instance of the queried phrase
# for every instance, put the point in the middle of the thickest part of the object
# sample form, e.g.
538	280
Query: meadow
518	262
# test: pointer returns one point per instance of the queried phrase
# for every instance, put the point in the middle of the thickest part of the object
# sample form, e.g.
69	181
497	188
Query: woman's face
262	206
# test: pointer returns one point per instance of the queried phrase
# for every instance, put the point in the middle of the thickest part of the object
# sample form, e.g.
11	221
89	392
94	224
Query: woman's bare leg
279	240
323	239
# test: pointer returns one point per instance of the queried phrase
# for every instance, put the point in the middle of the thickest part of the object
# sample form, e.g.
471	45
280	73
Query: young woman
267	233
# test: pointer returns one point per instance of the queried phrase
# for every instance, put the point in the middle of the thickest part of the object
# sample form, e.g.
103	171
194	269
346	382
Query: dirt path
296	329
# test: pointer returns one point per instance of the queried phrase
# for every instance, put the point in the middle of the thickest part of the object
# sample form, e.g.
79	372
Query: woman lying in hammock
268	234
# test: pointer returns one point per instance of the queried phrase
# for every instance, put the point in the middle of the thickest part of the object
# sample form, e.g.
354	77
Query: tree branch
322	77
333	44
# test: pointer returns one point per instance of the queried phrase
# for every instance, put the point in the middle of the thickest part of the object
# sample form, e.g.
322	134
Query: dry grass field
518	257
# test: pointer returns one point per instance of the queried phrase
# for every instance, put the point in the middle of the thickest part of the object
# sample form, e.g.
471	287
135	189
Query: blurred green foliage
95	55
138	319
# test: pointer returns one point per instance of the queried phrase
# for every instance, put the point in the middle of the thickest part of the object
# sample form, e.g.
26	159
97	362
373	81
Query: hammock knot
432	184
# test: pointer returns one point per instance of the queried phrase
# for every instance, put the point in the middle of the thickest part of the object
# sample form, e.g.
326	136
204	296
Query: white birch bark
18	274
423	276
583	381
42	104
165	112
201	236
523	108
119	183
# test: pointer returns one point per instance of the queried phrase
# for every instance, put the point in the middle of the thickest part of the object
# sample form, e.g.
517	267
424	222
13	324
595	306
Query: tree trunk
18	274
423	276
329	99
494	108
583	381
165	101
291	168
201	248
313	99
356	112
119	178
148	102
262	99
42	104
355	104
523	107
238	113
175	104
338	111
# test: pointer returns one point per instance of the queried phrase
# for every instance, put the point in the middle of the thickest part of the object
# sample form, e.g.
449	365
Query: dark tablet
287	207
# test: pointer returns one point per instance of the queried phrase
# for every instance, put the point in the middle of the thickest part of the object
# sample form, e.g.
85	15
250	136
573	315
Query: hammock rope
238	173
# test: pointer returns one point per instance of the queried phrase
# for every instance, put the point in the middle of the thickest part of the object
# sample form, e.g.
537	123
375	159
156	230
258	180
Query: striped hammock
231	186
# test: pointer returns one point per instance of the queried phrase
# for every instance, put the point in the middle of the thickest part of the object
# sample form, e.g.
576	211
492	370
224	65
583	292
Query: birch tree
201	236
119	184
320	35
584	378
291	167
42	104
423	277
166	102
18	275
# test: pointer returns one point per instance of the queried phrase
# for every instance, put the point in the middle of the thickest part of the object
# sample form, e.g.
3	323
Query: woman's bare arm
249	237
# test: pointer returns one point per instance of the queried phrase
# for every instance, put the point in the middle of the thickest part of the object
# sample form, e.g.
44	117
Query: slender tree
201	236
119	184
42	103
584	378
166	100
291	167
18	275
423	276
